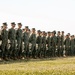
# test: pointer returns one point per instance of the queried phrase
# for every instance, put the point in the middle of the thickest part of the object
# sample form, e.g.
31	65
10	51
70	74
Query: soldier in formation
19	37
25	43
12	38
4	36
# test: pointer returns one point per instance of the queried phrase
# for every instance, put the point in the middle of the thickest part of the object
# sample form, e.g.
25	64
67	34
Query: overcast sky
45	15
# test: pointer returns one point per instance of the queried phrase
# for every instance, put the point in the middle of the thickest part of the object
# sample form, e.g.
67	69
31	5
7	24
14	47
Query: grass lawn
49	66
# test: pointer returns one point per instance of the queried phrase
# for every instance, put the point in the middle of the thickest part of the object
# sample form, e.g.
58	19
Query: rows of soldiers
25	43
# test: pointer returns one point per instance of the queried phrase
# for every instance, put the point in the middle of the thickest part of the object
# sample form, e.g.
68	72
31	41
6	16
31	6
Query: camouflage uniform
67	45
26	43
62	43
54	42
12	38
44	44
33	42
4	36
1	40
58	44
49	53
39	42
19	38
72	43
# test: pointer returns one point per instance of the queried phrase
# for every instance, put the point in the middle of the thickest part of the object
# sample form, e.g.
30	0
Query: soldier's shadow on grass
26	60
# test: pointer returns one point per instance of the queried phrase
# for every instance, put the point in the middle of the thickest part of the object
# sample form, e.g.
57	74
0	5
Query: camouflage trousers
33	49
4	52
13	48
26	49
68	50
19	48
39	50
44	50
72	50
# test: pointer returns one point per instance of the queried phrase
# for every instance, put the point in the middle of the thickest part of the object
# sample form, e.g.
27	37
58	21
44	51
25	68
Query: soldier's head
13	24
38	32
58	32
68	34
53	33
62	32
5	25
43	33
33	30
26	28
72	37
19	25
49	33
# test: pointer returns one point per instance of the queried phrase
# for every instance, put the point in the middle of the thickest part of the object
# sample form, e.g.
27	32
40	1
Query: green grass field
52	66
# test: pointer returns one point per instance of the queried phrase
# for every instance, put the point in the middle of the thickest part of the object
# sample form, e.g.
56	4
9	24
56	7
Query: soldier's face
19	26
13	26
38	33
48	34
26	29
33	31
58	33
67	36
5	27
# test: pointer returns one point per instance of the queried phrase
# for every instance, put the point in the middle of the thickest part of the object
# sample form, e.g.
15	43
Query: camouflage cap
54	32
4	24
26	26
33	28
58	31
20	24
62	31
68	33
13	23
48	32
38	31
